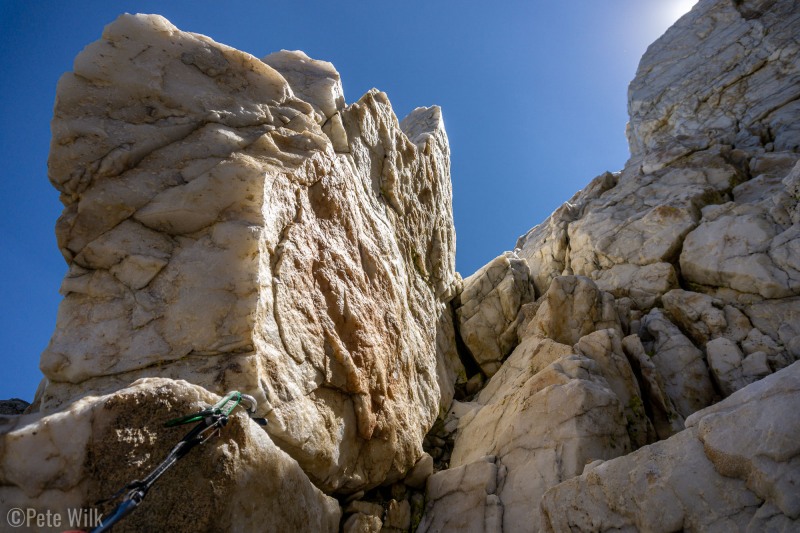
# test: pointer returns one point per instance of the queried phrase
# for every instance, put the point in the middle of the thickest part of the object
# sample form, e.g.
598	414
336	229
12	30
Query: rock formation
735	466
14	406
232	245
83	454
488	309
232	223
661	289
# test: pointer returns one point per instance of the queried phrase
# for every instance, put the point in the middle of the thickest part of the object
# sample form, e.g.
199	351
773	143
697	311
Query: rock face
488	309
14	406
680	364
99	444
707	202
549	410
232	222
727	73
662	289
736	466
703	126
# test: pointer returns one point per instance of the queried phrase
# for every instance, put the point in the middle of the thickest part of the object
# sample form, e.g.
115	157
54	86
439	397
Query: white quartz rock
314	81
726	72
572	307
735	466
74	458
658	488
546	246
541	419
758	342
680	363
362	523
756	366
627	220
740	247
702	317
468	496
752	436
216	233
422	124
488	309
604	347
643	285
779	319
725	362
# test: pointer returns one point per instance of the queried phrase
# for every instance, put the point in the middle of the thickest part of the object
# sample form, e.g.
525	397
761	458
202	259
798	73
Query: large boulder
680	363
468	496
704	318
743	248
627	233
540	419
238	481
216	232
488	309
572	307
735	467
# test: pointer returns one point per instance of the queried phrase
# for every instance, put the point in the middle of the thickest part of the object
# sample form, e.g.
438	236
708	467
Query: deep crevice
471	367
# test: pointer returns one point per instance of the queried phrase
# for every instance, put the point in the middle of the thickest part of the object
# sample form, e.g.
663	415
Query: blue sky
533	95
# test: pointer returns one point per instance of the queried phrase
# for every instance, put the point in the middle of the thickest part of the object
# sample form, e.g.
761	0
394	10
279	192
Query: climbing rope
210	422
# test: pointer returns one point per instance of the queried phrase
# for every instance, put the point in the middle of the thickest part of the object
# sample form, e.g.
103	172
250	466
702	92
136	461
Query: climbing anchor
210	422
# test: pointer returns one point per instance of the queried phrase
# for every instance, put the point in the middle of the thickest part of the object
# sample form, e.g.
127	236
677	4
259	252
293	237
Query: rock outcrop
548	411
736	466
14	406
488	309
80	455
708	190
232	223
661	289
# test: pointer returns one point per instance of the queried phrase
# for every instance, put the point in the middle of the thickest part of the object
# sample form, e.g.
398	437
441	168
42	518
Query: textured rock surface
488	309
725	362
14	406
240	481
572	307
735	467
605	348
703	318
468	493
703	126
744	248
679	362
728	73
217	231
540	419
657	404
233	222
311	80
667	286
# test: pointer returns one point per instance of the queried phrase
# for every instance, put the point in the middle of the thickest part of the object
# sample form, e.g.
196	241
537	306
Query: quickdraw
210	422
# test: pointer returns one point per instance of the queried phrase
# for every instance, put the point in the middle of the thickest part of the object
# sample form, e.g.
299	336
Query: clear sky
533	94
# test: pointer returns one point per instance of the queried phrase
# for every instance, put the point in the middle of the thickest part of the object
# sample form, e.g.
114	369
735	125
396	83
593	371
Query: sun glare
678	8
